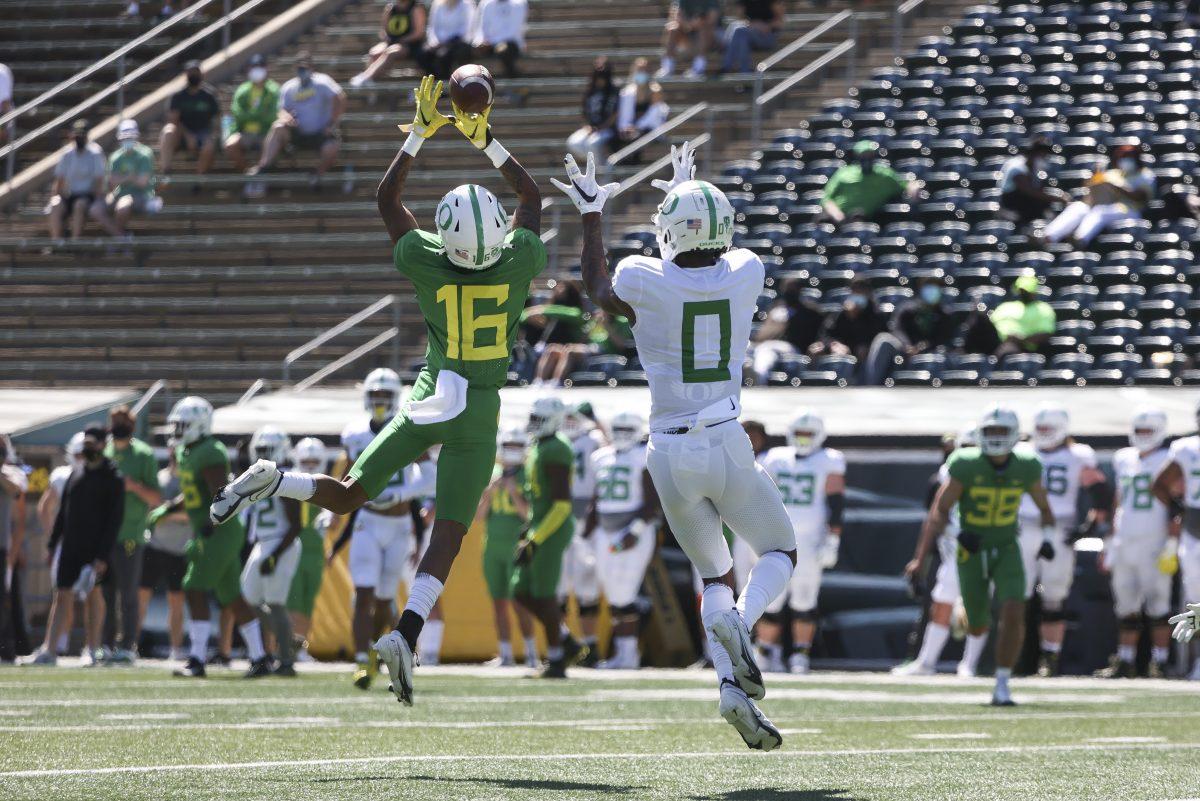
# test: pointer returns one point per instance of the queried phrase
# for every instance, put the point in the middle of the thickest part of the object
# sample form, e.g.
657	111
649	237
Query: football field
137	733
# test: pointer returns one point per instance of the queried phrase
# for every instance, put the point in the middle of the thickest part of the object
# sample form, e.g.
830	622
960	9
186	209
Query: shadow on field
538	784
776	794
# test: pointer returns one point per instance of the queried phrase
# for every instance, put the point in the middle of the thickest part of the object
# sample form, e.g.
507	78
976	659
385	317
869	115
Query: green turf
491	735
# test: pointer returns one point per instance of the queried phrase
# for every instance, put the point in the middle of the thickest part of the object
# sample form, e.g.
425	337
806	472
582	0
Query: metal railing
899	21
148	396
656	133
352	356
342	327
760	103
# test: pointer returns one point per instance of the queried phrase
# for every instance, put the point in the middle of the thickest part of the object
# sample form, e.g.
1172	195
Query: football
472	89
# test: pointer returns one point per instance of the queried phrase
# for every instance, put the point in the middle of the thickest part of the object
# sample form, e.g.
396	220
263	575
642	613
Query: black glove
1046	551
969	541
206	530
267	566
525	551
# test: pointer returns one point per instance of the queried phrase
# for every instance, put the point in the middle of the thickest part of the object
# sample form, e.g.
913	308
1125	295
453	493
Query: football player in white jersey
273	525
1139	539
624	522
813	482
580	572
1177	485
691	312
1067	468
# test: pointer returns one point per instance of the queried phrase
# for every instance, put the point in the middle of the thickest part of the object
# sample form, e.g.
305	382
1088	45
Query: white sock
931	647
1002	677
198	631
767	580
973	649
300	486
717	598
1126	653
699	63
506	653
64	642
429	642
627	650
1159	654
252	634
1051	647
554	653
668	65
530	650
423	595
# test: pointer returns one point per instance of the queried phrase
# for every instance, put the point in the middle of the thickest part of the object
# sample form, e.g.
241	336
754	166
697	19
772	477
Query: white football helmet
545	416
1051	425
693	216
510	446
1148	429
75	447
381	393
573	423
806	433
309	454
191	420
628	429
270	443
472	225
999	431
967	438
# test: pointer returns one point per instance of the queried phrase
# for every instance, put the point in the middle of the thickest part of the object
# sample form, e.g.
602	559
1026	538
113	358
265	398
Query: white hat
128	129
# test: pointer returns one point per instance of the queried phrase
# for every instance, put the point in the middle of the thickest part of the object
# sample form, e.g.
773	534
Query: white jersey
1061	472
801	481
355	439
1186	453
266	521
692	329
58	479
583	482
1140	516
619	479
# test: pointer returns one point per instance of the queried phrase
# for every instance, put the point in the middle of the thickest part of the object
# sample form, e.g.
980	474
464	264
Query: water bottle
226	126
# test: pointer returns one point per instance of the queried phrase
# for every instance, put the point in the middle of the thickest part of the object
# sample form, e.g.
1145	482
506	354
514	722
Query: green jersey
125	166
137	462
191	461
543	453
991	495
471	316
254	108
311	540
503	520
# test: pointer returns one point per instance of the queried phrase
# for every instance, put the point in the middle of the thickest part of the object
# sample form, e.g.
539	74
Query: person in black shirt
401	35
191	118
599	112
757	31
852	330
919	325
792	325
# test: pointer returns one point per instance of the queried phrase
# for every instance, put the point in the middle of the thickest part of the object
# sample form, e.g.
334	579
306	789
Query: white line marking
1130	740
970	697
143	716
955	735
332	723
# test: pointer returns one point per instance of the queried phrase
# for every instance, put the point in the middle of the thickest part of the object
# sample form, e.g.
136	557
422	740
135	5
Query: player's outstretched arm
389	195
529	198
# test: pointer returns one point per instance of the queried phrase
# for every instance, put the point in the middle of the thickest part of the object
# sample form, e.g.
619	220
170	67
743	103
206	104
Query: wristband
496	152
412	144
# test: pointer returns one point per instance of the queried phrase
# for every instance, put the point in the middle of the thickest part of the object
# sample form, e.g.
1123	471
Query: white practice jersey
1061	471
619	479
58	478
1186	453
355	439
583	483
952	523
692	329
1140	516
266	521
801	481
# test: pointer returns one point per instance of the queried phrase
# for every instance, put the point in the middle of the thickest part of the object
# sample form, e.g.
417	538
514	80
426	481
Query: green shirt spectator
1027	321
560	323
860	189
131	170
136	461
255	107
610	334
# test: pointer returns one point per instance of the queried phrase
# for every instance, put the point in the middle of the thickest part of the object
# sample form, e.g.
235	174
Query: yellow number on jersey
995	506
187	485
462	323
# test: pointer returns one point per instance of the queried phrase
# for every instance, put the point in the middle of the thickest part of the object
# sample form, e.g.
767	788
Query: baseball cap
257	60
128	129
1026	283
865	146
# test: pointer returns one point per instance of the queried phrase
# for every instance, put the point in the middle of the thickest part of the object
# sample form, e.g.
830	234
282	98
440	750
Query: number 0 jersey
1061	471
801	481
584	480
619	479
1186	453
692	329
1140	516
991	496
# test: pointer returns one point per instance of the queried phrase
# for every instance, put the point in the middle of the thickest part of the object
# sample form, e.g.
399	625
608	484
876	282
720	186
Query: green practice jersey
503	519
545	452
137	462
191	461
311	540
991	495
471	315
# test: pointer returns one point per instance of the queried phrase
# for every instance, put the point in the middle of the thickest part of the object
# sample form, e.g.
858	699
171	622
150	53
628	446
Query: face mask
380	411
258	74
931	294
641	78
304	74
90	452
858	300
80	142
121	430
193	80
1127	165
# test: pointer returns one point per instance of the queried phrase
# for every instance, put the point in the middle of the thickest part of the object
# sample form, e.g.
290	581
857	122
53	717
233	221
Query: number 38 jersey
1140	516
618	479
692	329
801	481
1061	471
990	496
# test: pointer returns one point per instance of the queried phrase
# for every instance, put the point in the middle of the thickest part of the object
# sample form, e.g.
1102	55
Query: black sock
410	626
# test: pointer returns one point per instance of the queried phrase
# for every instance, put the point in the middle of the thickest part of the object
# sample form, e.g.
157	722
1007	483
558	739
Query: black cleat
1117	669
590	659
286	671
554	670
1047	665
1003	701
192	669
258	668
574	652
220	660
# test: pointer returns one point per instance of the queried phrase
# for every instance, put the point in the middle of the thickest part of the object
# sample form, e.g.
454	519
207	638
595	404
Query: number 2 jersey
1062	469
1140	516
618	488
411	481
991	496
801	481
692	329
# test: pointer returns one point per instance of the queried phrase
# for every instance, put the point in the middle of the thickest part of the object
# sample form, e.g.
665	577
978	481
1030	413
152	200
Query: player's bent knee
805	616
774	618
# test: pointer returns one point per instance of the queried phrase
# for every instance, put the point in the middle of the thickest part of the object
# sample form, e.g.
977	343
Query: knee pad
774	618
589	609
1056	615
807	616
1130	623
629	610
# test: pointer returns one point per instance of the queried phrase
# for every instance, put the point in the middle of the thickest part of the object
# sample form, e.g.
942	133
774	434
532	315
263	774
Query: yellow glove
473	126
1168	560
428	119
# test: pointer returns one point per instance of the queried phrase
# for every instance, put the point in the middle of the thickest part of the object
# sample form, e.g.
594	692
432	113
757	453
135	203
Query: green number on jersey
612	483
797	488
463	324
705	308
993	506
1056	479
1137	491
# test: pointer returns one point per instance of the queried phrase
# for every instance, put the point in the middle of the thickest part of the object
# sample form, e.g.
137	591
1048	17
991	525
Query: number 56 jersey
692	329
801	481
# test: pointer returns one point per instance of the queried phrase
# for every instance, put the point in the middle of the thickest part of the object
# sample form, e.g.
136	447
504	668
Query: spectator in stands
640	107
1022	193
78	187
851	331
609	333
6	100
14	640
793	324
1118	193
600	103
920	325
1024	324
402	35
310	109
686	20
191	122
561	337
761	22
164	561
448	36
500	32
858	190
254	109
130	180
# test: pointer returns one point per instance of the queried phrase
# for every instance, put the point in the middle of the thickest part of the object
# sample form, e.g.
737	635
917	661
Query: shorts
250	141
302	596
498	567
68	567
271	589
380	552
945	585
200	138
315	140
466	460
1053	576
539	578
87	198
215	563
142	203
805	584
162	567
623	571
1137	583
997	566
580	576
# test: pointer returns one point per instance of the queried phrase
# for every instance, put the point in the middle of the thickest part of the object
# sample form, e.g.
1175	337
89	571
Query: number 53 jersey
991	496
801	482
692	329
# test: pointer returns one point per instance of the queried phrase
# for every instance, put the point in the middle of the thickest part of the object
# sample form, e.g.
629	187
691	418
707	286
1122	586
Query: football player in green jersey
987	483
472	278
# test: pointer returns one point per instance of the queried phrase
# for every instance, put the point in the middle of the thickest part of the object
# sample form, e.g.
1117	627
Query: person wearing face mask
500	32
919	325
858	190
600	102
254	109
1119	193
757	30
135	459
78	184
1024	324
130	180
851	331
191	121
641	107
13	485
1022	193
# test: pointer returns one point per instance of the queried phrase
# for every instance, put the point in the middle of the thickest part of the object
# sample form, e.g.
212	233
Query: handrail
253	390
657	165
357	353
148	396
902	12
343	326
654	134
787	50
790	81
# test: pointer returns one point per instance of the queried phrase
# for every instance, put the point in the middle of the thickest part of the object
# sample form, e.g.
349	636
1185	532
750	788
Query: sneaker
397	657
303	656
574	651
590	659
913	668
362	676
729	630
122	656
258	668
43	657
772	662
260	481
964	671
94	657
1117	669
499	661
798	664
286	671
1048	665
741	713
220	660
1002	696
192	669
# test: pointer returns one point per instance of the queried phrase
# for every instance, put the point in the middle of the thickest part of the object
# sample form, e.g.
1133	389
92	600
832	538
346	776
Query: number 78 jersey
692	329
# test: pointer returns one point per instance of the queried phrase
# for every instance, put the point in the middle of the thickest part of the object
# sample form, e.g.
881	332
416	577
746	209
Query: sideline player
691	312
987	484
309	456
812	480
1068	467
1141	532
580	570
472	279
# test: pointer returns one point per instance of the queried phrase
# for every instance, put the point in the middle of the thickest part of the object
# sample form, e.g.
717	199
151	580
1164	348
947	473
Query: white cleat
260	481
741	713
43	657
913	668
1001	696
729	630
1195	674
964	671
395	655
798	665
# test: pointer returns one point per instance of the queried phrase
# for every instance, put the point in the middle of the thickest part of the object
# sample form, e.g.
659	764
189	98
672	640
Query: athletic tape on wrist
412	144
496	152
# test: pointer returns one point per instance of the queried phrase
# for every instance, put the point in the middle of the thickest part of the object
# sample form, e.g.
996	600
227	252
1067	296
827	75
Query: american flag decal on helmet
694	224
